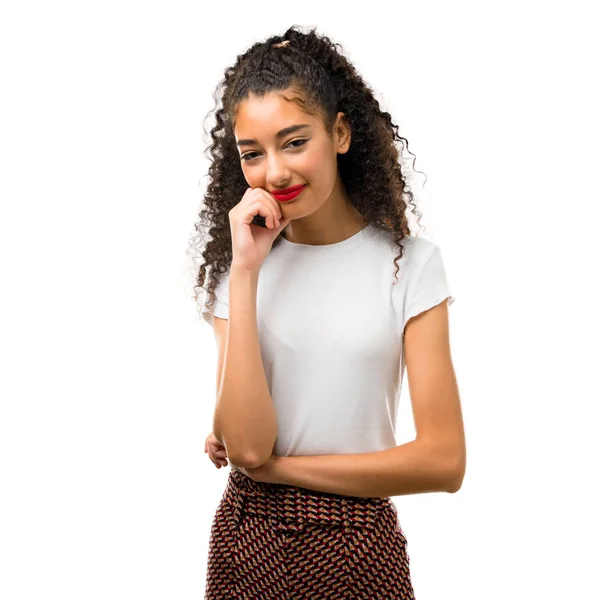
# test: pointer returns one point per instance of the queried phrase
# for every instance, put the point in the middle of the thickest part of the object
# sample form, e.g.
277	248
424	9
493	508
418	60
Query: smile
289	196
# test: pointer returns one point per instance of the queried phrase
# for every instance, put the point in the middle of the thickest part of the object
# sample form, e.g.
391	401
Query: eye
246	156
298	141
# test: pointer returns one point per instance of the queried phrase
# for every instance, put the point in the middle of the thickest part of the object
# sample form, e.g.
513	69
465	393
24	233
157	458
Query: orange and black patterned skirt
278	542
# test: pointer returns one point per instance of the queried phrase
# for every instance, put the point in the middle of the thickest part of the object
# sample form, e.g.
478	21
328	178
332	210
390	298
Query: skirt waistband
293	507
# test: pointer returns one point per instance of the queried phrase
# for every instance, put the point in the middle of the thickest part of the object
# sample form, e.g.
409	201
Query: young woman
319	297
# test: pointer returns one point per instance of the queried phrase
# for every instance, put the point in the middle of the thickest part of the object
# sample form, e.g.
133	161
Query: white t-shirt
330	323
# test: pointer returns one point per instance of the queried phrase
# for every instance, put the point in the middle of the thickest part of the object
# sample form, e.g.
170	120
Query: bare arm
434	462
244	420
412	468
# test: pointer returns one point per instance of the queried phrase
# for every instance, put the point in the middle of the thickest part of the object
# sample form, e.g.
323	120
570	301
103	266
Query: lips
289	193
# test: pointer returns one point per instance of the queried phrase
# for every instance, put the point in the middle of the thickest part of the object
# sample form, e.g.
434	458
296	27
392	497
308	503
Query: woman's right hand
216	451
251	243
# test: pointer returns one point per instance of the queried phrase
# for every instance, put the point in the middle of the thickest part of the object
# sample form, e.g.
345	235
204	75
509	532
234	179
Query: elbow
244	455
245	458
248	461
455	484
448	464
252	459
457	475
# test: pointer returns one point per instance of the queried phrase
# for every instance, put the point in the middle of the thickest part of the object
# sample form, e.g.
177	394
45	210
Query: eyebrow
278	135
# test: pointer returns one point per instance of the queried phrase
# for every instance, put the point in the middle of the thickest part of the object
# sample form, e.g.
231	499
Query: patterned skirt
278	542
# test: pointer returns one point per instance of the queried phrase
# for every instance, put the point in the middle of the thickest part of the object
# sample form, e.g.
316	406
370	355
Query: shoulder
414	247
417	251
419	248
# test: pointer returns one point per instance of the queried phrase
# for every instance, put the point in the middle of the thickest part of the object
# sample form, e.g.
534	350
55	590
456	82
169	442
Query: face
306	155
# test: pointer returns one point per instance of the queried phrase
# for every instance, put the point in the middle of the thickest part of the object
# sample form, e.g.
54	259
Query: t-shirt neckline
346	244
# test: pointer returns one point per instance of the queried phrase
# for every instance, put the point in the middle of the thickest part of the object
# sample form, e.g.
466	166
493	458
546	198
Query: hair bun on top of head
281	44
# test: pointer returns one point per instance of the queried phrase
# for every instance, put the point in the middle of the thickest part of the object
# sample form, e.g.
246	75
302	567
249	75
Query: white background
108	376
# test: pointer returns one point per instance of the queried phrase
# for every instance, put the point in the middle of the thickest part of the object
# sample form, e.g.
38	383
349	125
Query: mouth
289	193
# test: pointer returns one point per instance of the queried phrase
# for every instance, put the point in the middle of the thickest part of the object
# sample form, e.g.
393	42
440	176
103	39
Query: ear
343	133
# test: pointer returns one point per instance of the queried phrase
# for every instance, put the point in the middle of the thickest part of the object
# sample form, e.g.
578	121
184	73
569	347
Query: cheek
318	168
253	177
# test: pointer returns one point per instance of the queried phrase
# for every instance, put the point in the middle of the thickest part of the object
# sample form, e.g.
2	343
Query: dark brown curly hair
326	82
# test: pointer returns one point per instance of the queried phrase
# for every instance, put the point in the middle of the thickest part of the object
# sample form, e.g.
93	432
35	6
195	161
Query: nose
277	172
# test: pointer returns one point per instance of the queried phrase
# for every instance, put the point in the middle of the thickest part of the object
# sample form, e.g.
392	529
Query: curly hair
325	82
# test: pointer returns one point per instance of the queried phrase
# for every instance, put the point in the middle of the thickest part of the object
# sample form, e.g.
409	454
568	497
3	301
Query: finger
263	209
276	209
273	201
218	459
269	210
284	223
273	220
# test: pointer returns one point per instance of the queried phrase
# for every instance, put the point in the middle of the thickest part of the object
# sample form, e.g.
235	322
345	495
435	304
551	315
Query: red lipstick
288	193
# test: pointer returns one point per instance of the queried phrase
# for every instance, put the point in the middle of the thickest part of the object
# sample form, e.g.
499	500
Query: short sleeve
221	306
428	284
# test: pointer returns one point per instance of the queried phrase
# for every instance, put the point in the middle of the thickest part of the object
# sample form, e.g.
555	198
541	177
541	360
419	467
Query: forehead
266	116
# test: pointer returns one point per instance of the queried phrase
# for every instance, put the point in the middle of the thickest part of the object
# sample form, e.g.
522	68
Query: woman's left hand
266	473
